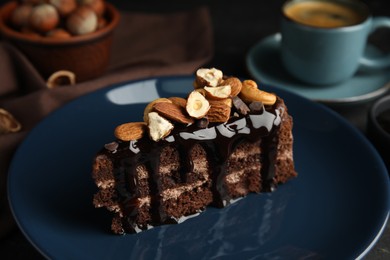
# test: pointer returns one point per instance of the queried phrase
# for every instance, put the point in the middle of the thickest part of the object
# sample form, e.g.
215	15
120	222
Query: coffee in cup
323	42
323	14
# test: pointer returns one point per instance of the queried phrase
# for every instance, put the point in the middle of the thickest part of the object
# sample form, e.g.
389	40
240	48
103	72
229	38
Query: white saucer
264	65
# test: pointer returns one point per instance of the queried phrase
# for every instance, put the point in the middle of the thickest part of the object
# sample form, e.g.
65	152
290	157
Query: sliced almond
197	105
159	127
235	84
219	112
130	131
182	102
8	123
220	92
173	112
250	92
149	107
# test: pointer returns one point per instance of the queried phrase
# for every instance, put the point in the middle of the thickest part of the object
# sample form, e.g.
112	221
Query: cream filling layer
171	193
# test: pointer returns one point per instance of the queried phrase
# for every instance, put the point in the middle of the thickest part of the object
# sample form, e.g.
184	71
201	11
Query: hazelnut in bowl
72	35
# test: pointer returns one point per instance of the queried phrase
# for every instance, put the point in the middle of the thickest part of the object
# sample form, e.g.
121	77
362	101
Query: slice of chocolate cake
225	140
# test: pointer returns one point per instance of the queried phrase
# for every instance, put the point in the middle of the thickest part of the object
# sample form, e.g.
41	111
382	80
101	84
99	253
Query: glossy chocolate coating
219	141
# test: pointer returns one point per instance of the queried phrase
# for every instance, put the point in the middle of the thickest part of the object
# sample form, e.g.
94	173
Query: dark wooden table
238	25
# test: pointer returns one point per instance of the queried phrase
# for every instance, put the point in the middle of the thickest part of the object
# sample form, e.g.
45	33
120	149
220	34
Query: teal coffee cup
323	42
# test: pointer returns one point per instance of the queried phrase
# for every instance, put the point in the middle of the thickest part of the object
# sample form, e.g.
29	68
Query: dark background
237	26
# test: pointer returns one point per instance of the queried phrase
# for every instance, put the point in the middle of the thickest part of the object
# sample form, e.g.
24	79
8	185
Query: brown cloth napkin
145	45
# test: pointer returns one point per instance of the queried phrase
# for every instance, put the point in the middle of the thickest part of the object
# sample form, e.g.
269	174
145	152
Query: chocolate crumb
202	123
256	106
111	146
241	107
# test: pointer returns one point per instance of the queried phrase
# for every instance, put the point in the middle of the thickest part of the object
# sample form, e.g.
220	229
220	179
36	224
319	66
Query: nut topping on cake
159	127
197	105
219	112
208	77
149	107
220	92
235	85
130	131
215	99
173	112
250	92
182	102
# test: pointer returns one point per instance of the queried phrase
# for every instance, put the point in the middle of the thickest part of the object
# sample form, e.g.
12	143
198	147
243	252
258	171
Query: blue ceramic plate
336	208
264	64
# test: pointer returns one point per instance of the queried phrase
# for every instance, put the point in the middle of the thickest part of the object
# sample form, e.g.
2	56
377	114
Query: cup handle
381	62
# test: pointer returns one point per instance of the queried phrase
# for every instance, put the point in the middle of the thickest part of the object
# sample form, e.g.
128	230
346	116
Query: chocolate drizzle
218	140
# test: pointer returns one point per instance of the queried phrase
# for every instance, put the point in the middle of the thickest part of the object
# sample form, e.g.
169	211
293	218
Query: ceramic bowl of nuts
62	35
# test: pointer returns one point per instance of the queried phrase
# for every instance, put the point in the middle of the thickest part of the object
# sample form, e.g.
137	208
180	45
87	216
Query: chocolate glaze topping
219	141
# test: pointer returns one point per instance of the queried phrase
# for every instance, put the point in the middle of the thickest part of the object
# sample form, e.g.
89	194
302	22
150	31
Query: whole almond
130	131
219	112
226	101
173	112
